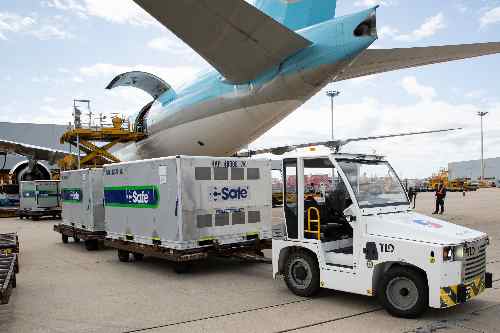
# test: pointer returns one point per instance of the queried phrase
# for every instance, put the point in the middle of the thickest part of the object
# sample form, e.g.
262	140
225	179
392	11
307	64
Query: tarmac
65	288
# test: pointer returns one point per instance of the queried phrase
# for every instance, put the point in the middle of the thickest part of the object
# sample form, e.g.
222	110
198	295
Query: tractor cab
326	195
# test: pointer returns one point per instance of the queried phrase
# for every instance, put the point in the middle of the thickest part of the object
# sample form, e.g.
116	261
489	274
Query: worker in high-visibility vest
440	195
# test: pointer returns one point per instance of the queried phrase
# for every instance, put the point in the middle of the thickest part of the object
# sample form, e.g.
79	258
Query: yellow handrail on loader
309	221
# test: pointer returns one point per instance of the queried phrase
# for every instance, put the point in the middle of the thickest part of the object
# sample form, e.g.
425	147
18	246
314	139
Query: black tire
76	239
138	256
64	239
403	292
123	255
302	274
92	245
182	267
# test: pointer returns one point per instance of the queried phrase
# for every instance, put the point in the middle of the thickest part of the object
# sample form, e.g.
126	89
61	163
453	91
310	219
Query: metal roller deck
7	276
9	244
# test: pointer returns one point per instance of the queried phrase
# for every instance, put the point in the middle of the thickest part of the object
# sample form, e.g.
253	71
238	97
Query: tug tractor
363	238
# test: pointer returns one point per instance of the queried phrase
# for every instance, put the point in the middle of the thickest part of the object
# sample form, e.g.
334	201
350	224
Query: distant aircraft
268	59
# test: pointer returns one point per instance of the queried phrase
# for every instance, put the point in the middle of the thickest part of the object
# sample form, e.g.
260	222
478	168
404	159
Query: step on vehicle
357	233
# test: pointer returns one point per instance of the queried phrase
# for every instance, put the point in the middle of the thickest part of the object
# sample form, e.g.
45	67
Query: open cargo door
147	82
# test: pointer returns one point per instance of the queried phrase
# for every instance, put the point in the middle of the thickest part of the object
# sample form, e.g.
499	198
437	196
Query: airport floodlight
481	114
332	94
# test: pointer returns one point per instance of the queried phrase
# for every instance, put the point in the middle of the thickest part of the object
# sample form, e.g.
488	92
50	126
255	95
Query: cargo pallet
7	276
8	212
182	259
91	238
9	244
37	214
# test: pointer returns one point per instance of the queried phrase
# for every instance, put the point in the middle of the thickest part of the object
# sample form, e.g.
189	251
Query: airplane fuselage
214	117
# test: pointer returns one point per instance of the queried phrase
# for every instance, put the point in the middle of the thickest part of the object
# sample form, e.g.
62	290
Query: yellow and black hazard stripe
453	295
476	287
449	296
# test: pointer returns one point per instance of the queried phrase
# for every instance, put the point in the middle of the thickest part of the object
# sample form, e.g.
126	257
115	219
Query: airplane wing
236	38
337	144
373	61
35	152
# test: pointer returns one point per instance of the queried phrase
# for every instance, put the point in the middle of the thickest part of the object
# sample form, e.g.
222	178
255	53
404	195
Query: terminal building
44	135
472	170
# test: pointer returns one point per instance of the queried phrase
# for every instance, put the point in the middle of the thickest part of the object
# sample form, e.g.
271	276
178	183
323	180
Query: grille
475	264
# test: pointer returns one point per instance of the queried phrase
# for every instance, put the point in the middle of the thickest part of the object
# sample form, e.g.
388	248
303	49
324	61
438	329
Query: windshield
374	183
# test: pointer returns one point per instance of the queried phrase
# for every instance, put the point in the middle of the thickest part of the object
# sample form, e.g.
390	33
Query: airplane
268	59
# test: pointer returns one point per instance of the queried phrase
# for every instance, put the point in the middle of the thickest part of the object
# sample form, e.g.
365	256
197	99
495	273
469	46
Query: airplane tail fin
298	14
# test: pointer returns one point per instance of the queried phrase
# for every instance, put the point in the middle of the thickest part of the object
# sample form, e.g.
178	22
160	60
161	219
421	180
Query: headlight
448	254
459	252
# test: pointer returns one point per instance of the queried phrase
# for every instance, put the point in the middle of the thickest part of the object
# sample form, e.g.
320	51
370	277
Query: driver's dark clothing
440	195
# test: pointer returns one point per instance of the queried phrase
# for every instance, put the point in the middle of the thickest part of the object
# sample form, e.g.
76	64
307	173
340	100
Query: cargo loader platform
250	250
91	238
7	276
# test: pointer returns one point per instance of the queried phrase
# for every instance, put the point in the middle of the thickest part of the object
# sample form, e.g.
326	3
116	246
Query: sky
54	51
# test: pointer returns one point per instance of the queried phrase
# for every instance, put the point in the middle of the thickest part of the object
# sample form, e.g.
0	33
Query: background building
44	135
472	170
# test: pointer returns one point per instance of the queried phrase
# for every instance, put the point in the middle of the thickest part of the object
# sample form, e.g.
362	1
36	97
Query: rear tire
123	255
182	267
403	292
64	239
302	274
138	256
76	239
91	245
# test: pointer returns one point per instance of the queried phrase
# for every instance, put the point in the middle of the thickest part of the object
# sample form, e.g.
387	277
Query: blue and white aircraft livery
268	59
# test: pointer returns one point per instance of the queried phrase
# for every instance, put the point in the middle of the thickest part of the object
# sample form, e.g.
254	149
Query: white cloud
14	23
51	32
373	3
427	29
65	5
490	17
49	100
414	88
116	11
461	7
169	44
476	94
370	116
173	75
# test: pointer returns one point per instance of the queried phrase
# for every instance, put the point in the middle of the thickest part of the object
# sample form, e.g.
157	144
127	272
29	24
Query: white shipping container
188	202
39	194
83	199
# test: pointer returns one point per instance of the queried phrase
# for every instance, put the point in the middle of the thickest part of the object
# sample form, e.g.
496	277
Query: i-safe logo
228	193
147	196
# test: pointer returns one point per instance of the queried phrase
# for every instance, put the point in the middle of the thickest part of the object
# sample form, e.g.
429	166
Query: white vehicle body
384	236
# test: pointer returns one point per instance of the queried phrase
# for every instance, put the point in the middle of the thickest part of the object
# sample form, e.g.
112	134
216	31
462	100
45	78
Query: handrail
318	231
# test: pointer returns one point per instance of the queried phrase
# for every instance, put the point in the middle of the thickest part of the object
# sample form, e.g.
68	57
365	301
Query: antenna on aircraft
335	145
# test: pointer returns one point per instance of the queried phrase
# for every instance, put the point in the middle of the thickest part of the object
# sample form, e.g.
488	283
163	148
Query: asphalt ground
65	288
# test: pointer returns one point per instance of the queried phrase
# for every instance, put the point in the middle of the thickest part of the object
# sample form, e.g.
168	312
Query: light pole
332	94
482	114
